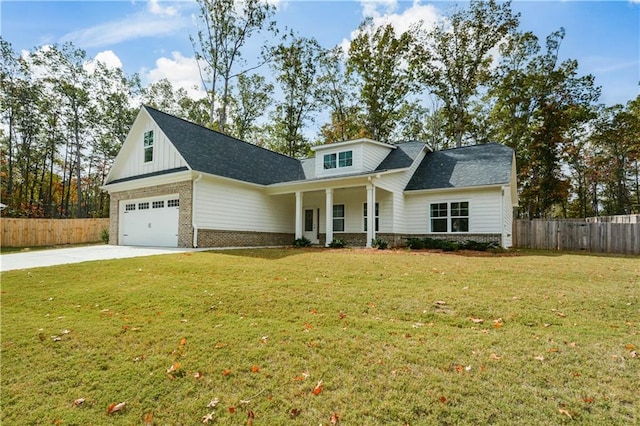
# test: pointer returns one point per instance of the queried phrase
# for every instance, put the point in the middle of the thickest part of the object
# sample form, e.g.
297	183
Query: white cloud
155	8
181	71
384	12
110	59
153	22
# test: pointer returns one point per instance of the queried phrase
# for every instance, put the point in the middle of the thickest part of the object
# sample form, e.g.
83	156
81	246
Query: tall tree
228	25
295	64
254	95
337	92
380	60
454	58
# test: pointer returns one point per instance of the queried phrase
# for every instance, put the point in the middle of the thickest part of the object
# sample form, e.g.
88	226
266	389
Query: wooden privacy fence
46	232
593	236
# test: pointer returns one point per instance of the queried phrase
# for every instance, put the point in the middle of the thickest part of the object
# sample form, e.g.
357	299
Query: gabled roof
477	165
212	152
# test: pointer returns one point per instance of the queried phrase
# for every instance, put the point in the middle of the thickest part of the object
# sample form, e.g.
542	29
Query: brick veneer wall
219	238
184	190
400	240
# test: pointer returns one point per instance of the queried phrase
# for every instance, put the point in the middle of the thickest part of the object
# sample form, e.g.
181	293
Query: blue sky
152	37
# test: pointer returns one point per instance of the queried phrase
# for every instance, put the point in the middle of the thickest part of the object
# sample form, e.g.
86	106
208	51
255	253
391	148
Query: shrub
302	242
337	243
415	243
379	243
104	235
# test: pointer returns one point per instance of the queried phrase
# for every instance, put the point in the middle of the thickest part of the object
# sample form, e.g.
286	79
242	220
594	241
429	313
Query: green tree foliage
228	25
295	64
454	58
254	95
381	62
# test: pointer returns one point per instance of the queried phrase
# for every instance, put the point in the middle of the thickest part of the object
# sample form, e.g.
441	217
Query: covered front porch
354	211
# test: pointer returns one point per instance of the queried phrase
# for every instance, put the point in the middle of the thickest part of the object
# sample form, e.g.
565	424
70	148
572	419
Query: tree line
472	78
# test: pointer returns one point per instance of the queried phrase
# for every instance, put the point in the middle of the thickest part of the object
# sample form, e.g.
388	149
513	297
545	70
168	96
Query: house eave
351	142
316	184
456	189
146	181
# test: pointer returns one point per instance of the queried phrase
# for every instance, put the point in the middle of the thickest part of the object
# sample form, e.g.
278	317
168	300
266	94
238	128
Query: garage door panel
150	221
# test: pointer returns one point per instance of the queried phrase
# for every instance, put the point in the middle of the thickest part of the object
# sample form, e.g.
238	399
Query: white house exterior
178	184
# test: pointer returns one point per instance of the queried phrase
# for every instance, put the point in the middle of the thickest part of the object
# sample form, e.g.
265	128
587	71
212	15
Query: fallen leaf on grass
113	407
443	399
255	369
226	372
342	315
198	375
495	357
440	302
588	400
148	419
565	412
318	388
78	402
250	417
476	320
295	412
213	403
207	418
539	358
629	347
334	419
183	341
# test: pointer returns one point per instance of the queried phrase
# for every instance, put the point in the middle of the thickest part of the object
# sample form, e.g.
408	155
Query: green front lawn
312	336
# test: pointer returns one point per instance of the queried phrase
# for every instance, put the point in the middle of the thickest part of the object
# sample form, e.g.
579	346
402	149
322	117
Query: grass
394	336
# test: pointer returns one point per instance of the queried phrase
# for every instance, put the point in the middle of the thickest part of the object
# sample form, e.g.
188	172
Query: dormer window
148	146
329	161
341	159
345	159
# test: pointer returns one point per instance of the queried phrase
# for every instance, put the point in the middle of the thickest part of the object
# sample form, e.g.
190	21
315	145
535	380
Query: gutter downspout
193	211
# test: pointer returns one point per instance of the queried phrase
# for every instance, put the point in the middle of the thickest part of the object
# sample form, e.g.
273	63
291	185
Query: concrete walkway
38	258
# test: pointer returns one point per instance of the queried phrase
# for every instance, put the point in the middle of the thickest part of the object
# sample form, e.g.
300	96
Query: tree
253	98
227	27
380	60
295	64
337	92
454	58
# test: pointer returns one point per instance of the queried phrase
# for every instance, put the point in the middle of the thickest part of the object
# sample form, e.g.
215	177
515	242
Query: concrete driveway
37	258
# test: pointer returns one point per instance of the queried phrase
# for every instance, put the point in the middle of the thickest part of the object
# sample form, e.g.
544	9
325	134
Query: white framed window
173	203
143	206
148	146
329	161
365	210
450	217
338	217
157	204
341	159
129	207
345	159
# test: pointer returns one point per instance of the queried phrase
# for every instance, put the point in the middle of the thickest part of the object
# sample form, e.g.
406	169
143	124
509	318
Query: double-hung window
450	217
329	161
148	146
341	159
345	159
376	216
338	217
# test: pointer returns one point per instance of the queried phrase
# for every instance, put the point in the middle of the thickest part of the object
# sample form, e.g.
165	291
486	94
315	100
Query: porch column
329	216
371	213
299	197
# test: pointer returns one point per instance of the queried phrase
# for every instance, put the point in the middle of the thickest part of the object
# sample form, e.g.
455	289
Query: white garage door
150	221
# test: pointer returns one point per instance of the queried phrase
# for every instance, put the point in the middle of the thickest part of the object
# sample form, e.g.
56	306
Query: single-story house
175	183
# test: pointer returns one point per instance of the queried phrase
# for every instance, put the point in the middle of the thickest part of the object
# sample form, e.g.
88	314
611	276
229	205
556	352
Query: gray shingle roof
401	157
215	153
486	164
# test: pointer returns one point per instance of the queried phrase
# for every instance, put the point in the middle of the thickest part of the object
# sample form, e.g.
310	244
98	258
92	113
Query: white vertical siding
485	209
227	205
507	212
130	160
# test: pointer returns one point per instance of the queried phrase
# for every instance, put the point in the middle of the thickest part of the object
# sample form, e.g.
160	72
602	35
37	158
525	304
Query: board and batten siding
232	206
485	209
165	155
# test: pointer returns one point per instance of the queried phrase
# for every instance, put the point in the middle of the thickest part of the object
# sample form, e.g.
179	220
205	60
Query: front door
310	230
